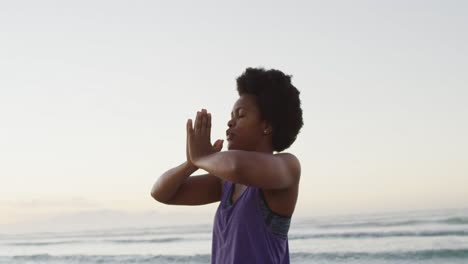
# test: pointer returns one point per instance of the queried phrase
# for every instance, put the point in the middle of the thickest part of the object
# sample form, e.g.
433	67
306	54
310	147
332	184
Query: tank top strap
225	193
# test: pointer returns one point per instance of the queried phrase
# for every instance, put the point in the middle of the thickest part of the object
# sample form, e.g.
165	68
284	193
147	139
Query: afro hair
278	101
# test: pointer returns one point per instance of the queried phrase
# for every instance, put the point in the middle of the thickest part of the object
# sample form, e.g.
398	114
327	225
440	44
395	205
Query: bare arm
263	170
176	187
258	169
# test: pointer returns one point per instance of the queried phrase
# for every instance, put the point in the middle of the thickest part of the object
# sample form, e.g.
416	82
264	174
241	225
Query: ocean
430	237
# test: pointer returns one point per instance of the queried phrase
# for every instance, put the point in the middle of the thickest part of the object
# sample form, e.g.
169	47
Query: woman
257	189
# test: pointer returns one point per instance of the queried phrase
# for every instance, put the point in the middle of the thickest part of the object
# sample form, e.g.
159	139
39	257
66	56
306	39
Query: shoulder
291	162
288	156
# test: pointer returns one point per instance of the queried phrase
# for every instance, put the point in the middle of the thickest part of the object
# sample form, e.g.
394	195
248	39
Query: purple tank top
240	234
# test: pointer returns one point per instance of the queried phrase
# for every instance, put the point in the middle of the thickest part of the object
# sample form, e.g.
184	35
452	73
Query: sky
94	96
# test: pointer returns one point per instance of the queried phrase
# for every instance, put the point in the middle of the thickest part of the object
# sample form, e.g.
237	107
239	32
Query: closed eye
239	112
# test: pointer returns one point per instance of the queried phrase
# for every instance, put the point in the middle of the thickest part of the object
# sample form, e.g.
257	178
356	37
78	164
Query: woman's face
246	127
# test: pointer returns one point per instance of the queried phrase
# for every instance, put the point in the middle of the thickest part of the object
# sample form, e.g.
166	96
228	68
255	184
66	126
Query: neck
265	147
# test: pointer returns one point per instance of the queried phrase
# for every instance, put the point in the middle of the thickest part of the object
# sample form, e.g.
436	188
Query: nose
230	123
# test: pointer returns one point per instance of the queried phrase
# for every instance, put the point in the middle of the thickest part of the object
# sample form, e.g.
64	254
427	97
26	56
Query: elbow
158	198
156	195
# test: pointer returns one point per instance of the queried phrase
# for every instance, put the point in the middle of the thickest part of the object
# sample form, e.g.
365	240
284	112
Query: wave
446	221
456	221
48	243
428	254
381	234
45	258
156	240
110	233
117	241
341	235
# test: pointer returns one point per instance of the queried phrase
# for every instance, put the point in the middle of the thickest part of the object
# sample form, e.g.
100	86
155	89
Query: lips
229	135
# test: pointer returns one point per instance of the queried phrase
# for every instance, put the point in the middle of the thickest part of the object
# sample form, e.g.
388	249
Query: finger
208	126
189	127
218	145
204	123
189	132
203	119
198	123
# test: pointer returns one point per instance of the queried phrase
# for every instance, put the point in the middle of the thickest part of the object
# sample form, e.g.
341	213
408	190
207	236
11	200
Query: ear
267	128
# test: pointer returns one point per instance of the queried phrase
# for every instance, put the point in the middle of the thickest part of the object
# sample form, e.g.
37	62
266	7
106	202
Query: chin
232	146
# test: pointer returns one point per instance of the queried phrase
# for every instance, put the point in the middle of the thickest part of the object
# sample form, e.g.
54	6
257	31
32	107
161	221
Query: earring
265	131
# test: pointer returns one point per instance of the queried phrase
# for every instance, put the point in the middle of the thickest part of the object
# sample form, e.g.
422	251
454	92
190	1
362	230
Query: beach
438	236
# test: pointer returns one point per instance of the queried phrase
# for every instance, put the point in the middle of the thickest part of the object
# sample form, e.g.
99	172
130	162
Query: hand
199	138
187	152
